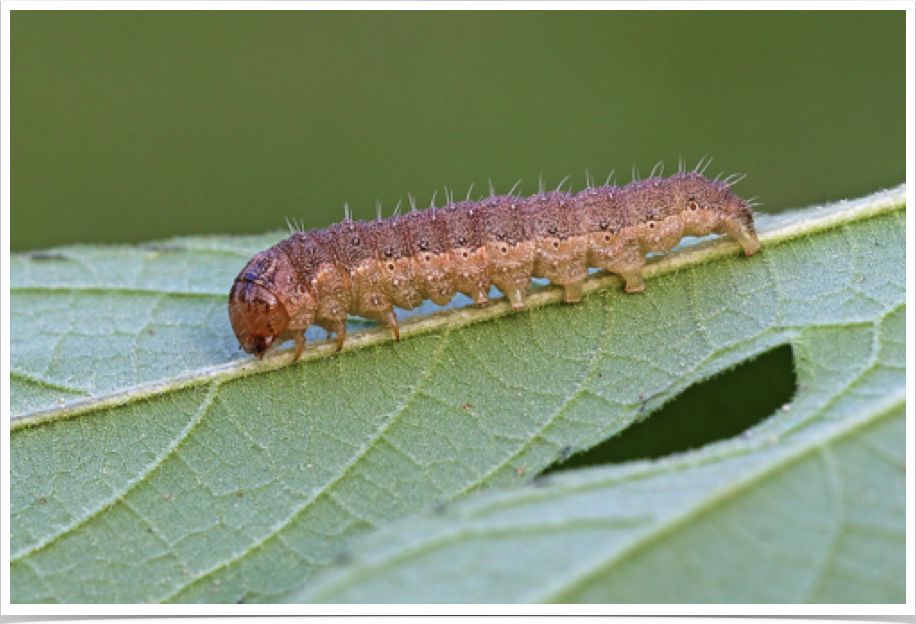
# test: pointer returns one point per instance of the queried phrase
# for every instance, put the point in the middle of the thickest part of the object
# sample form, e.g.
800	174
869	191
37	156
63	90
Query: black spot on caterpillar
365	269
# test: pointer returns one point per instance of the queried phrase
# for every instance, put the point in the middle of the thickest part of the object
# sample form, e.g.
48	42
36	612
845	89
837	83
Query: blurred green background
132	126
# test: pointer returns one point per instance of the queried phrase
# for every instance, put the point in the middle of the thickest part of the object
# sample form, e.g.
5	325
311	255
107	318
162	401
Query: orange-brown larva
320	277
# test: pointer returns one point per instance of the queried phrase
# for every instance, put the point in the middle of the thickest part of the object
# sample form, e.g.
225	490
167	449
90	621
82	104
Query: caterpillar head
257	316
266	300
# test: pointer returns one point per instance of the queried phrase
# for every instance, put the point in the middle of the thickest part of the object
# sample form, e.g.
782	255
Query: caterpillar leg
634	281
339	328
572	293
749	241
517	298
745	235
481	299
621	255
392	321
383	317
300	345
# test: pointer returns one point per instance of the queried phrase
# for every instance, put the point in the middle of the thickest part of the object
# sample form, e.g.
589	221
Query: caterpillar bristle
701	168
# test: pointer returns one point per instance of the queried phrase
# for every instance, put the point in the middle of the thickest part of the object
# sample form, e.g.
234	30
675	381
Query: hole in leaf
716	409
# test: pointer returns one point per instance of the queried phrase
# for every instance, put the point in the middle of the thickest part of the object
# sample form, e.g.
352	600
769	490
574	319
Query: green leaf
815	516
149	462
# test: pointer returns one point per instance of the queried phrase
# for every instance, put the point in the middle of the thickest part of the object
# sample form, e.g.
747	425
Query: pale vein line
873	364
879	412
673	389
883	410
361	452
638	471
586	377
130	485
48	590
14	374
883	453
835	487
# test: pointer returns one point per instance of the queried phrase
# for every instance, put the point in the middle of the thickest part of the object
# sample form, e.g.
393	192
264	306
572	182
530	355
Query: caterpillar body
319	277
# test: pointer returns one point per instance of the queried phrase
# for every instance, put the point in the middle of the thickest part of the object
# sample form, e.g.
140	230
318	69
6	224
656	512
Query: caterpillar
319	277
